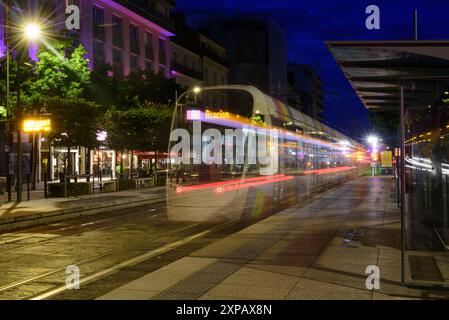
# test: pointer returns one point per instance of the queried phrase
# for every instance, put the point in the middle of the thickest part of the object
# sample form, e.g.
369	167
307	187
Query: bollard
8	186
28	187
46	186
65	186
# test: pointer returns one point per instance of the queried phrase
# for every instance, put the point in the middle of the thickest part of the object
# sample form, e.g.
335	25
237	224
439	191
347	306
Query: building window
134	62
163	10
98	53
149	53
162	52
117	31
73	2
206	75
75	36
117	62
148	66
98	19
134	38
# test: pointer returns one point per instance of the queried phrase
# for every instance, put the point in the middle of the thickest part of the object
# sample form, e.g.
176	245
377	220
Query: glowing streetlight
32	31
196	90
373	140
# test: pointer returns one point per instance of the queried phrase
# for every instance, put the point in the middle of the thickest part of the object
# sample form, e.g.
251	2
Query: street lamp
373	141
32	31
195	90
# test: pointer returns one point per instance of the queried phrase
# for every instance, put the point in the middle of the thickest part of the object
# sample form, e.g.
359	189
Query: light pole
373	141
195	90
7	34
31	32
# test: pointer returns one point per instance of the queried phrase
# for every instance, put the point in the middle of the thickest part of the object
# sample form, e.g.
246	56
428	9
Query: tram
252	158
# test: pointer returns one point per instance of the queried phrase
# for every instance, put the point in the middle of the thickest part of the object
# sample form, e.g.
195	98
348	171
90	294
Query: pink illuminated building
126	34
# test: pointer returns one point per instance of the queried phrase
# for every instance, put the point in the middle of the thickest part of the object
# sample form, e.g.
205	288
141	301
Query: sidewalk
43	211
317	250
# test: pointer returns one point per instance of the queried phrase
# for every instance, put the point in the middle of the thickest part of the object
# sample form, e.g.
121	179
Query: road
110	249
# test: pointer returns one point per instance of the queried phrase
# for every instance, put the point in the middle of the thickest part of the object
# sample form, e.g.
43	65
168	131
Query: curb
7	224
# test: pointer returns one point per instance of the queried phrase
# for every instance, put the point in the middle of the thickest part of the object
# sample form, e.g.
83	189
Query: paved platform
316	250
42	211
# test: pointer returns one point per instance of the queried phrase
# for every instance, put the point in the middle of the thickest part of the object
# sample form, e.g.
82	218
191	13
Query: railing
187	71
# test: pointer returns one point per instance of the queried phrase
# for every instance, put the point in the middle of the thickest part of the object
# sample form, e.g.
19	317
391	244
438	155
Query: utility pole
19	131
7	127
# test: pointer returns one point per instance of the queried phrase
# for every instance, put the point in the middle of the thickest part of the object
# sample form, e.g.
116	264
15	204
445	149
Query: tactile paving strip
201	282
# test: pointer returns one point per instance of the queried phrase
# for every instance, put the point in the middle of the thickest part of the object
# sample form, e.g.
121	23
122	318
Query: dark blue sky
308	23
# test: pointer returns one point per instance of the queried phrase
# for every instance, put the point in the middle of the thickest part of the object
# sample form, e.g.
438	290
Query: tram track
91	260
36	232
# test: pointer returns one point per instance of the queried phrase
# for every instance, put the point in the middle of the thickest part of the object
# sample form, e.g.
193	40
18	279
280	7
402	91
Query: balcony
217	58
143	9
187	71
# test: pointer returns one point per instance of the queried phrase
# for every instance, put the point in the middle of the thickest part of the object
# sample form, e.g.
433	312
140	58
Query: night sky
308	23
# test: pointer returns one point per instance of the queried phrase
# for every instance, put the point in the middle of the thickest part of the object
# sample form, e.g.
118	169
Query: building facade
128	35
198	60
187	59
256	51
305	83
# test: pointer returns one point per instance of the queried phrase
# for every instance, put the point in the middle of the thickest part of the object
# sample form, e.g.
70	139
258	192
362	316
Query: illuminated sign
193	115
37	125
386	159
102	135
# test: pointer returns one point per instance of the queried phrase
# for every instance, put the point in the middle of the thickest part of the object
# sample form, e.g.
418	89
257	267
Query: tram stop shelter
411	78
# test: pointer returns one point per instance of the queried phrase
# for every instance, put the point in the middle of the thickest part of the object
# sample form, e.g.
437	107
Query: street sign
36	125
386	159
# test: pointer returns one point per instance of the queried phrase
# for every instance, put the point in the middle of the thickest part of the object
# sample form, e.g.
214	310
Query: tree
151	87
59	82
60	72
75	123
142	128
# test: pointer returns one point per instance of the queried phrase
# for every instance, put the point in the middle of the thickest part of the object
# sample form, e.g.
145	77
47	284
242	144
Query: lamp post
373	141
31	32
195	90
7	34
